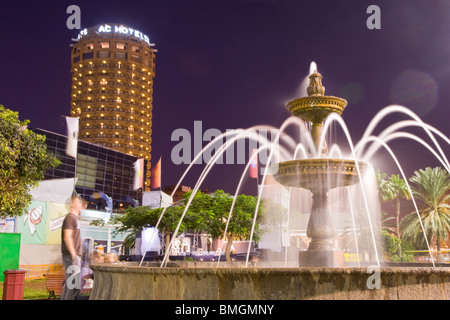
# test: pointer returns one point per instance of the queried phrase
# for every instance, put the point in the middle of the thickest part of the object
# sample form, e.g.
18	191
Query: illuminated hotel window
120	45
135	49
89	46
104	44
103	82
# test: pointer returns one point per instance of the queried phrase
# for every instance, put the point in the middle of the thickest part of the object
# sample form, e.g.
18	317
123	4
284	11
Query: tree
207	212
395	188
23	162
216	209
431	187
391	244
135	219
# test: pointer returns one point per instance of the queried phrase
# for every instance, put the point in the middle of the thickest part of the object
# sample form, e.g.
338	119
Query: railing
35	271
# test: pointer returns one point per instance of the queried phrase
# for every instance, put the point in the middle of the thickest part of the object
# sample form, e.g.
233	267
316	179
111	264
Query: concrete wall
129	282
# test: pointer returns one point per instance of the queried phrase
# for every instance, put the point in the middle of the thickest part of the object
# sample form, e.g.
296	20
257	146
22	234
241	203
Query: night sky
235	63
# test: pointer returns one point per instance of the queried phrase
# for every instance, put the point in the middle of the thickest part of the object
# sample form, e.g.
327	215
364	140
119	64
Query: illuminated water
355	209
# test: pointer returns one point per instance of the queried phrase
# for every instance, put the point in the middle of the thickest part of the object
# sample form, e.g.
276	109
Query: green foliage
391	188
135	219
212	213
23	162
406	257
431	189
220	212
206	212
392	245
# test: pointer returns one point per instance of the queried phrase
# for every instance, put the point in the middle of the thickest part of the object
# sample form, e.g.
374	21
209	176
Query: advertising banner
55	216
32	224
7	225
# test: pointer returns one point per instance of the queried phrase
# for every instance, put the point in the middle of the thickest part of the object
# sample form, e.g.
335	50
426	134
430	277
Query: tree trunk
439	257
167	232
228	248
397	209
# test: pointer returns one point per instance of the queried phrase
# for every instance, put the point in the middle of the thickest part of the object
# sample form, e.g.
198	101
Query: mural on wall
32	225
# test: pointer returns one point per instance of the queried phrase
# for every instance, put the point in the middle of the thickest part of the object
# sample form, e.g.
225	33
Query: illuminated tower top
113	67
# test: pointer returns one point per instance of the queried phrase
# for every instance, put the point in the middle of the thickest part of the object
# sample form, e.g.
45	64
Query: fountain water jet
322	175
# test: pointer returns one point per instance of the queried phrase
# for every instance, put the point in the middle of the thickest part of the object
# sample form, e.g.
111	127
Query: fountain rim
176	269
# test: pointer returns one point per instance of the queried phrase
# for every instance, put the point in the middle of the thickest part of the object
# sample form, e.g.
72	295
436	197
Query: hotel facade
113	67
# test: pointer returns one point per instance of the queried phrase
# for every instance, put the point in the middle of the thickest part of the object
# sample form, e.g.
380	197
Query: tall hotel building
112	68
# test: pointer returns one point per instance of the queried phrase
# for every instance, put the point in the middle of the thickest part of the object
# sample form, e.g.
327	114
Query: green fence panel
9	252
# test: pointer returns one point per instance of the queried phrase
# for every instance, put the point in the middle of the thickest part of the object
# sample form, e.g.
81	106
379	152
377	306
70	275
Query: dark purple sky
233	64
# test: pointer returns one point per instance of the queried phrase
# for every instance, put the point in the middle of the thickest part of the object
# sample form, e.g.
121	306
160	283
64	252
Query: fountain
321	272
318	175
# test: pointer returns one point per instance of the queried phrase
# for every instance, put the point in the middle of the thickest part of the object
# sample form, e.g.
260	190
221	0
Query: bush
391	245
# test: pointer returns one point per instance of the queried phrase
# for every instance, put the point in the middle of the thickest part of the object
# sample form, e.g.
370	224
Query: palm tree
395	188
432	188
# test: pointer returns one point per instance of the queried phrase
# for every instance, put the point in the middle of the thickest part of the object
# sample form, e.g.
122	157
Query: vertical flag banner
254	165
138	174
156	176
72	136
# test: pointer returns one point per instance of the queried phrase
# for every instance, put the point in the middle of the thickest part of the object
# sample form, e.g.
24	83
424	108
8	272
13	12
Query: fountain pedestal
321	251
319	175
321	259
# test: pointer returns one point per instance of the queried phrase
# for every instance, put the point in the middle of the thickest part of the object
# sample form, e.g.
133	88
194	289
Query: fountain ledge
187	281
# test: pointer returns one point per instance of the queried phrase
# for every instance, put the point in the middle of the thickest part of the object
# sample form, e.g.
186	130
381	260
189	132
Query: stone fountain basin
319	174
128	281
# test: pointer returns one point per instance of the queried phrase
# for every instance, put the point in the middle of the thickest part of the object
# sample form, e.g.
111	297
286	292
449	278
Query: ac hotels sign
118	29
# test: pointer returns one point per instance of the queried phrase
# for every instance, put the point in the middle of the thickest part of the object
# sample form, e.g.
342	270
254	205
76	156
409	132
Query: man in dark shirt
71	249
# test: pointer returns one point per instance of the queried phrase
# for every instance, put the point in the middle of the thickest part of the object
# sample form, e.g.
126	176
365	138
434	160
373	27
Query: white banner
72	136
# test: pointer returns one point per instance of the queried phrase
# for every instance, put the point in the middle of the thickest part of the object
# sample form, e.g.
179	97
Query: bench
54	282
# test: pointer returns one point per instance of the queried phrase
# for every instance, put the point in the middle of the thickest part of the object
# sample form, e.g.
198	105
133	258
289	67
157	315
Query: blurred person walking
71	249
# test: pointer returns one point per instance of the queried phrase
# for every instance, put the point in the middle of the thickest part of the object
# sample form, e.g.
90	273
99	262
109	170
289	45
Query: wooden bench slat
54	283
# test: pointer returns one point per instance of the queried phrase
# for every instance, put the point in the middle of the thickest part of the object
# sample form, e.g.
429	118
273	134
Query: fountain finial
315	87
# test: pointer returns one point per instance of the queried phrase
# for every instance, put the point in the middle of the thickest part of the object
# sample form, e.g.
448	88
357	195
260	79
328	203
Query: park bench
54	282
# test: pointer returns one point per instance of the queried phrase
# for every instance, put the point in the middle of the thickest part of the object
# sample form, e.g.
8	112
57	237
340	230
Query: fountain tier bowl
316	108
319	174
